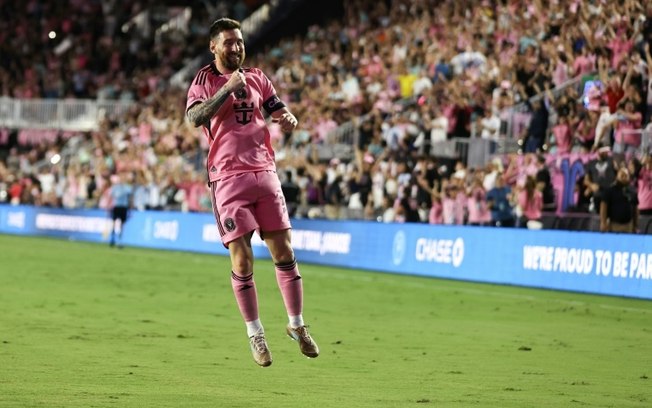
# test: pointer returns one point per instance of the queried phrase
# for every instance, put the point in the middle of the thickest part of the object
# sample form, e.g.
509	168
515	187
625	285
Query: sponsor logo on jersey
243	112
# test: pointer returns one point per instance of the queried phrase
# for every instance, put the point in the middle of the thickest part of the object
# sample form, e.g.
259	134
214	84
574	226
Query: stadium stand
406	107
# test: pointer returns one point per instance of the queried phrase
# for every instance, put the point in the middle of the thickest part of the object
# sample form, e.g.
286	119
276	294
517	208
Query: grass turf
84	325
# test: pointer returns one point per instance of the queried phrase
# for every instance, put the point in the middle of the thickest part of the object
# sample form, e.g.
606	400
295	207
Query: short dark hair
223	24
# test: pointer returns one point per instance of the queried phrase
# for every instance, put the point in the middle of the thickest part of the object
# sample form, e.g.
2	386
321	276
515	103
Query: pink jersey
436	216
626	131
645	189
238	138
478	210
531	207
563	137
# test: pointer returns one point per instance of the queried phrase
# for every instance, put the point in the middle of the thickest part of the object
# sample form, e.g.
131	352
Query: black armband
273	104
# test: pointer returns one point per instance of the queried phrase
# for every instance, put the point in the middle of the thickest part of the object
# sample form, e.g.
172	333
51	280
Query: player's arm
275	107
285	118
201	113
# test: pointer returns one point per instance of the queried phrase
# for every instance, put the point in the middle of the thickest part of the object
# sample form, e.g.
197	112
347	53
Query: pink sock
244	289
289	281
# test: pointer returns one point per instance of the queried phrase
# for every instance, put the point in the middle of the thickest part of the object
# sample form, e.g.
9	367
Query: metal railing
646	140
510	113
73	115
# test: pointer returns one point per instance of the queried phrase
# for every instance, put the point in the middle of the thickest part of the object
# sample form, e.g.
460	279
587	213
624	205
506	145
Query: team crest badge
229	224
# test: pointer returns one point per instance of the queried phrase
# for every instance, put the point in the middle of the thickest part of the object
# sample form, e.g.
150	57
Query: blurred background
424	111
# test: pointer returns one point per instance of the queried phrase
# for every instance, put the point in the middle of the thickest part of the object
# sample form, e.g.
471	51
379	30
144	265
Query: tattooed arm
201	113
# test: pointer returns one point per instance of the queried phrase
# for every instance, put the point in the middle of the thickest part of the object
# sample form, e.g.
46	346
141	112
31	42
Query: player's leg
244	289
291	285
235	221
114	221
274	222
243	284
287	274
122	219
275	229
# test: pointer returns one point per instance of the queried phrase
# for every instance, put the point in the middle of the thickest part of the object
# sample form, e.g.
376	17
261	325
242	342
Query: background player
121	195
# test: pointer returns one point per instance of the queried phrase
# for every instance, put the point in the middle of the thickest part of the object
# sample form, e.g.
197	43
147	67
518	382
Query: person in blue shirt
499	200
121	197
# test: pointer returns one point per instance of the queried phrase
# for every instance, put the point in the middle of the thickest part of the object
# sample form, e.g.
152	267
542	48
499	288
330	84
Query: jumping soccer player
226	100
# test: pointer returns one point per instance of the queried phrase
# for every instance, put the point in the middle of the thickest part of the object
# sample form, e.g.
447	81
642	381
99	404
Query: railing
646	139
510	113
73	115
587	222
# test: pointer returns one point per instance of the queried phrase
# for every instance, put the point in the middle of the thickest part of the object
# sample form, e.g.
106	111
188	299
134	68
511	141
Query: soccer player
226	100
121	194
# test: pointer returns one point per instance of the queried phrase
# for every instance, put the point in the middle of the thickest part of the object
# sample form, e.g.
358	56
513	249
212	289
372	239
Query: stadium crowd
409	73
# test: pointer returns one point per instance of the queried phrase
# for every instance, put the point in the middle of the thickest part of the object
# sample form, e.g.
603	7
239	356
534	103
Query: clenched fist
237	81
287	121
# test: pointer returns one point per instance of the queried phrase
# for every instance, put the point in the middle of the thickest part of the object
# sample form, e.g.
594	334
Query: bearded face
229	48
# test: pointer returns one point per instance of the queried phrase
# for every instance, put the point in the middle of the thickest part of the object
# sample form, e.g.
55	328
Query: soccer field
85	325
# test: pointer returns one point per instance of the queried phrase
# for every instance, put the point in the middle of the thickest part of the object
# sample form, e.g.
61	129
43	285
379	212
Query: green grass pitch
84	325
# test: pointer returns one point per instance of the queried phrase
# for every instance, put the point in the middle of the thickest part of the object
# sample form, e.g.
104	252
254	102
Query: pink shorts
248	202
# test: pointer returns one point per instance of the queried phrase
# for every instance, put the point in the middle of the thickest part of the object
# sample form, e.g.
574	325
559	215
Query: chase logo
398	248
442	251
168	230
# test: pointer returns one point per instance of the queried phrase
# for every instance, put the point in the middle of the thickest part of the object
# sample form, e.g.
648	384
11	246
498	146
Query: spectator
544	184
562	136
387	210
291	192
478	209
530	201
435	215
406	208
619	205
499	199
627	136
603	128
334	197
489	125
141	193
648	60
585	129
644	184
536	131
614	90
585	199
602	173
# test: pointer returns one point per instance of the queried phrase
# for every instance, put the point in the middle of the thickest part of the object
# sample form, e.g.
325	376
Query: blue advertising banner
610	264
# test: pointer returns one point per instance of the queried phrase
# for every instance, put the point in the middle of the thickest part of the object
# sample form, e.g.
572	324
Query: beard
232	61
